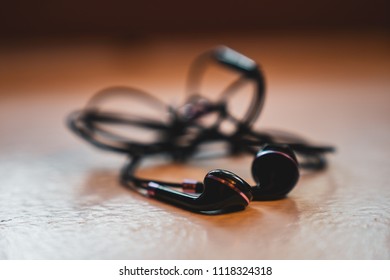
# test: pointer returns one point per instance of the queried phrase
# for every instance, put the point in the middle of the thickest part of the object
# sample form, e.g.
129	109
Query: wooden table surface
60	198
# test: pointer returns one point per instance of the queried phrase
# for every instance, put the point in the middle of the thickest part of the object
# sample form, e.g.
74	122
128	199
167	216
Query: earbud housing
223	191
275	171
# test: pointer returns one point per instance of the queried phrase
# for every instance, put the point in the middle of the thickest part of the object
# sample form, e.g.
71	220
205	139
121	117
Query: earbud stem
166	194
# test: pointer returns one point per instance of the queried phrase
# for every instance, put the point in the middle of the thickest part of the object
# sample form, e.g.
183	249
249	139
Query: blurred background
55	41
132	19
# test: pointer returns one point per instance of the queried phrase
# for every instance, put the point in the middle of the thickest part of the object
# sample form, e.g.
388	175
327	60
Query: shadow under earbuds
284	209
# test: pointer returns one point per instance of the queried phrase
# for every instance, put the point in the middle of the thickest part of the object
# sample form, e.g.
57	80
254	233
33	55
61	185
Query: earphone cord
183	135
181	138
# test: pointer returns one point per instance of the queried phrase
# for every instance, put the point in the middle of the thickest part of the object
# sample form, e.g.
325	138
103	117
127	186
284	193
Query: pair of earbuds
274	170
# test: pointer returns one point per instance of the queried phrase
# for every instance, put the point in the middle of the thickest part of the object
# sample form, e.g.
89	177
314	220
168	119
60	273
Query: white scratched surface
60	198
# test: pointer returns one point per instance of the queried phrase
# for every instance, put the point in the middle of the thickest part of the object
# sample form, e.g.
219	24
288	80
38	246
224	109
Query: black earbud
275	171
223	191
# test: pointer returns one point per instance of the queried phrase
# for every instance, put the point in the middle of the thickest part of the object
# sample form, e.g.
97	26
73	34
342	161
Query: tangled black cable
184	134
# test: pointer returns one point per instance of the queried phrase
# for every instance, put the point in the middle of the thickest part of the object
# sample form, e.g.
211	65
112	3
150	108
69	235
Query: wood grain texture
60	199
